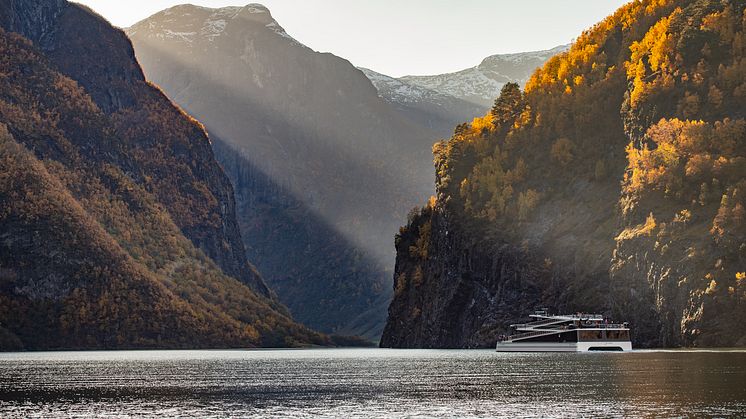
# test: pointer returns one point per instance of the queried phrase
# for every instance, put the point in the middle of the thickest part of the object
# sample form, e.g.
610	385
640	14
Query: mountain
325	168
118	226
613	183
480	85
440	102
432	109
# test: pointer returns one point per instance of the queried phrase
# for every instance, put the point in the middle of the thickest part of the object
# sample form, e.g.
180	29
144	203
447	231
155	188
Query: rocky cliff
613	183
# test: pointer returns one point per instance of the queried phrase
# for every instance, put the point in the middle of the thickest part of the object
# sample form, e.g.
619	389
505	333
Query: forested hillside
613	183
117	225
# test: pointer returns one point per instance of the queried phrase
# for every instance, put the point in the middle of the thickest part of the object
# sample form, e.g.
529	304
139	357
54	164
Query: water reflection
371	382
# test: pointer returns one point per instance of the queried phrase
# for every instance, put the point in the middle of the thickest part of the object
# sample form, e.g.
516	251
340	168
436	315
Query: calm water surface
372	382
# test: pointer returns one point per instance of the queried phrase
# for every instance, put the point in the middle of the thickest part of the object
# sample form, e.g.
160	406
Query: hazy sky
399	37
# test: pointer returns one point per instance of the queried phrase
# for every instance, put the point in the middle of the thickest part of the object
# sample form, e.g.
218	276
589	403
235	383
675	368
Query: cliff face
530	213
451	292
326	279
681	252
314	127
117	225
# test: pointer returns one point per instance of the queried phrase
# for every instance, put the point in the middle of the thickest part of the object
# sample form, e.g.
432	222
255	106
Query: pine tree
508	106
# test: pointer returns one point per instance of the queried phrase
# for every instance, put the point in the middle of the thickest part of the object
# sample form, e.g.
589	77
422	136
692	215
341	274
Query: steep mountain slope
85	48
529	211
285	237
117	225
480	85
313	125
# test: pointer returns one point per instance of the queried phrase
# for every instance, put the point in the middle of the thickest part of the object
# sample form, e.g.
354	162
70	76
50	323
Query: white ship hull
562	347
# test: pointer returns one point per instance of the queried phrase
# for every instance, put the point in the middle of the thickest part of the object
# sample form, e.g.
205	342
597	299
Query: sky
407	37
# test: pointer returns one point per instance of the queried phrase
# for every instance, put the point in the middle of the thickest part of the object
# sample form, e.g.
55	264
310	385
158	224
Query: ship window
617	335
585	335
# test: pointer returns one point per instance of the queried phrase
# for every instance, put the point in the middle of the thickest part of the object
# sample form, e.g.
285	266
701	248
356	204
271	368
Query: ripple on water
371	382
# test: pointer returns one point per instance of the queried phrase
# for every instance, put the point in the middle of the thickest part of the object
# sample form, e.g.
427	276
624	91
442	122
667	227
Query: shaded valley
345	162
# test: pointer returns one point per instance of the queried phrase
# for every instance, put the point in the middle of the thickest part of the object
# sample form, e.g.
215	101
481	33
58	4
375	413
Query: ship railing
563	329
607	326
540	322
529	334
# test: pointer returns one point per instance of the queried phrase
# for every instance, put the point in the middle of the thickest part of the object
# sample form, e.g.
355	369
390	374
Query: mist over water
371	382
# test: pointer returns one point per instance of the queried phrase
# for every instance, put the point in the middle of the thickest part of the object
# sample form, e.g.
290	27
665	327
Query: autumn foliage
642	123
95	209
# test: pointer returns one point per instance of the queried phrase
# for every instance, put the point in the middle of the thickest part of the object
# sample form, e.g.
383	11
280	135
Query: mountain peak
255	8
524	56
256	12
187	22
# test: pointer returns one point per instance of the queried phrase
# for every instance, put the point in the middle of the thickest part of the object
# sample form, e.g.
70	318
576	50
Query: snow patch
187	22
482	84
184	36
276	28
397	91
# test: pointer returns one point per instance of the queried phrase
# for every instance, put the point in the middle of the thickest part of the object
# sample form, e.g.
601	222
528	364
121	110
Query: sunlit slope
612	184
116	221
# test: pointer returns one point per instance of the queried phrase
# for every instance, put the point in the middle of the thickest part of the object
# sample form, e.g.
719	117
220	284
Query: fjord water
372	382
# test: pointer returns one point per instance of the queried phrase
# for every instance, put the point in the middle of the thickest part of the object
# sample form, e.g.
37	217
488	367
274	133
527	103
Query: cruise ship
566	333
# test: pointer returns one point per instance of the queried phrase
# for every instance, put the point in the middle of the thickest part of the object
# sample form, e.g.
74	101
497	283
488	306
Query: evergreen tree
508	106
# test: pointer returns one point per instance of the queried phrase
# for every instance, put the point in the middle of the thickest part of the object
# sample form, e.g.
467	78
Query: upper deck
580	326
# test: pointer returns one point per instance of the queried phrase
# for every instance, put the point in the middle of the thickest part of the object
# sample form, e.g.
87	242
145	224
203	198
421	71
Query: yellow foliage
740	278
527	201
649	225
418	276
480	124
711	288
655	48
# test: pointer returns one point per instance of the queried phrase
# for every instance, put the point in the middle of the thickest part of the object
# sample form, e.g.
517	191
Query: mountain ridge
481	84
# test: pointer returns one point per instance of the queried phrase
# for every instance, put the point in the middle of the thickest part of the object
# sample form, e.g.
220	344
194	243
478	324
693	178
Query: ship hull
519	346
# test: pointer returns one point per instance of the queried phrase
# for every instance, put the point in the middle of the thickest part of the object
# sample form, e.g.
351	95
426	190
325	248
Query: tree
508	106
562	151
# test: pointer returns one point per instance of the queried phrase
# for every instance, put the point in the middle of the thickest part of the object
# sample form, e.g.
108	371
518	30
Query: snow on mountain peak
482	84
255	8
186	22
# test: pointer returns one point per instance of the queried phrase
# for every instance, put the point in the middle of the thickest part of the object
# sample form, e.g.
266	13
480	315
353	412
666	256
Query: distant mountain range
481	85
435	110
442	101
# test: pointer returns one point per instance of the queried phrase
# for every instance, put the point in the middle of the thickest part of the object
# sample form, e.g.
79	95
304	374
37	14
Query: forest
618	170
